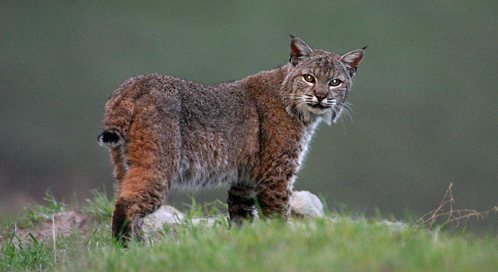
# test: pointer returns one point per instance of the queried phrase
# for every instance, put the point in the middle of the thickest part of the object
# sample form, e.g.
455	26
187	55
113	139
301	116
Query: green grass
334	243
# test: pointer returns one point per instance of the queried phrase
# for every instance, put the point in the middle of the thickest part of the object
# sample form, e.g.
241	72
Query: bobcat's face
319	82
320	86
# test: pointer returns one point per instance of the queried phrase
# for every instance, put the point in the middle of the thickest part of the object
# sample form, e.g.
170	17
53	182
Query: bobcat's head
318	82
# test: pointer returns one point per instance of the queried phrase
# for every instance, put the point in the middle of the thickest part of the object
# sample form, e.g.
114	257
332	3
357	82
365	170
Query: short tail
119	110
110	138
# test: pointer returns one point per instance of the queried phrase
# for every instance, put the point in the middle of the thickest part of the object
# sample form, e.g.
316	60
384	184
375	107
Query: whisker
348	106
347	114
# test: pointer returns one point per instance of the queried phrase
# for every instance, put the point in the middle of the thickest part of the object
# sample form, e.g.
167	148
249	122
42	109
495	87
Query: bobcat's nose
320	96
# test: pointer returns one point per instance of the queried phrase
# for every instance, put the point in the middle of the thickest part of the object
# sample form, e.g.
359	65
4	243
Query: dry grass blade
430	219
53	237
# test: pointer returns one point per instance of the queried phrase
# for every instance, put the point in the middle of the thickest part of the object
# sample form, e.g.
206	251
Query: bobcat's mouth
319	106
330	109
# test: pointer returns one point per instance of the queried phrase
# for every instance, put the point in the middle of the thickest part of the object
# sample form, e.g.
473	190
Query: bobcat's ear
298	50
353	59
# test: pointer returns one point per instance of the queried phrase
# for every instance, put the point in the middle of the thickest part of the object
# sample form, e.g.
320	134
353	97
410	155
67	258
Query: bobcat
252	134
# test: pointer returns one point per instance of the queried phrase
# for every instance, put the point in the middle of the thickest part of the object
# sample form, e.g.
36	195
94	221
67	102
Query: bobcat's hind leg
152	163
241	202
140	193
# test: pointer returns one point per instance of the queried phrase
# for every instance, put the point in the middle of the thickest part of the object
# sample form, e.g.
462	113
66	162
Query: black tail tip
110	138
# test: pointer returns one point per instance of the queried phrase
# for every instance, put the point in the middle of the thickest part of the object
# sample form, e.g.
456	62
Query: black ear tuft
110	138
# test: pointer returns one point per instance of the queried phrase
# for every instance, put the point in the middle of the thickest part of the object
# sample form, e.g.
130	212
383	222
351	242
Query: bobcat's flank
253	133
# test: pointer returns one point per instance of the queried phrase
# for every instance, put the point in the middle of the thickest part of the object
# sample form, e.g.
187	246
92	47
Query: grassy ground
334	243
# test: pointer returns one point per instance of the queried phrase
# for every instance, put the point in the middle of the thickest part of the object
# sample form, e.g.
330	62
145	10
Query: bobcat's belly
196	178
201	171
209	162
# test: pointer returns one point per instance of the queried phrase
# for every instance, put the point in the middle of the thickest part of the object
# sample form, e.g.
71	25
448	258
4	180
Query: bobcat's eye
335	82
309	78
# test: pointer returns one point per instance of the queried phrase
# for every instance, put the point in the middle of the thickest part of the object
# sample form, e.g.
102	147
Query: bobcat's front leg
241	202
274	198
276	174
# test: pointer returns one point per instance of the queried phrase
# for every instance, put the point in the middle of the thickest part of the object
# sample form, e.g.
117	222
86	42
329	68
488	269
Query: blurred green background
424	98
